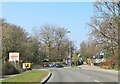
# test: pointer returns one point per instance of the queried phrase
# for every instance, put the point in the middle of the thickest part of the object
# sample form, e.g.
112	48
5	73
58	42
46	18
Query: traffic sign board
101	52
26	65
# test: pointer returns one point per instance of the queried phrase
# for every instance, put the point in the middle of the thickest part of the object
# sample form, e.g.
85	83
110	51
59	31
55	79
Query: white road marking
97	81
83	68
89	77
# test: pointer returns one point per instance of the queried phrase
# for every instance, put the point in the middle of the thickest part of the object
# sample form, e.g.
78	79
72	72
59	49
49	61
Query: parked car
97	62
51	65
46	65
58	65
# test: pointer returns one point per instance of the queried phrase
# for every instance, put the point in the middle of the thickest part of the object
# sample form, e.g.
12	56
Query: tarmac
88	67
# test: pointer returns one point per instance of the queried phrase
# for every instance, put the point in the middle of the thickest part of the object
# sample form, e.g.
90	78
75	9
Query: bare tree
104	25
60	38
54	39
46	36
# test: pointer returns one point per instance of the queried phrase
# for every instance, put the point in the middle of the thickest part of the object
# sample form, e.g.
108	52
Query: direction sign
79	55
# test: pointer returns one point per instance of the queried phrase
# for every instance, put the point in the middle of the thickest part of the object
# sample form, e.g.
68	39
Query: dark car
58	66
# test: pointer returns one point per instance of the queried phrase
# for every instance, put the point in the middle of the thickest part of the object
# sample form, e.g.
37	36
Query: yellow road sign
26	65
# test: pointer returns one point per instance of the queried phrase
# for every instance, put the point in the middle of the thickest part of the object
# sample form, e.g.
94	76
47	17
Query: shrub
9	69
108	64
88	61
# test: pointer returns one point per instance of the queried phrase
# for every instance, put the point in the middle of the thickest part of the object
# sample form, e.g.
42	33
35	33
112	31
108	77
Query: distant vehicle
58	65
51	65
80	62
46	65
97	62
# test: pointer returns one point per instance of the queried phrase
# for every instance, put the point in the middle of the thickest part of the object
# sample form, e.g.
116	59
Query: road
81	75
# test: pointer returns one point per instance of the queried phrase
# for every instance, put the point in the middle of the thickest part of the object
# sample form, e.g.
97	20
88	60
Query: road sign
14	56
96	56
93	56
26	65
69	62
101	52
79	55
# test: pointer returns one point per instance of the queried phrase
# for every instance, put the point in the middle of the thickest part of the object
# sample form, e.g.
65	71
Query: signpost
26	65
101	54
79	55
69	62
13	56
96	56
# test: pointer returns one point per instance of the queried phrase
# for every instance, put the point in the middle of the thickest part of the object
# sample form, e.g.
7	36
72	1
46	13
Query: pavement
7	76
97	68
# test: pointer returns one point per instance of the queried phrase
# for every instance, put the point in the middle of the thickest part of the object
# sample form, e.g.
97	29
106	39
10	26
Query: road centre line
83	68
89	77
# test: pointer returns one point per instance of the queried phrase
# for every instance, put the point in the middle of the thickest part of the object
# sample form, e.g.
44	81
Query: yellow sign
26	65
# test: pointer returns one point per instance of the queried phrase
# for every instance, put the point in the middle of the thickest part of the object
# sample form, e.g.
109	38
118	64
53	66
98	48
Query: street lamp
69	58
68	42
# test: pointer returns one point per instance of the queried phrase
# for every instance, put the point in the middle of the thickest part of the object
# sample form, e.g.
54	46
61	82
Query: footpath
7	76
97	68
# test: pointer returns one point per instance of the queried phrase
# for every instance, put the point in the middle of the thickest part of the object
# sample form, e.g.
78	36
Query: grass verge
31	76
108	68
117	69
74	66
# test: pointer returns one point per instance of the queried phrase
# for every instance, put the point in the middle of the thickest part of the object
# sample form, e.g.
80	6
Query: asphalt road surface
81	75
